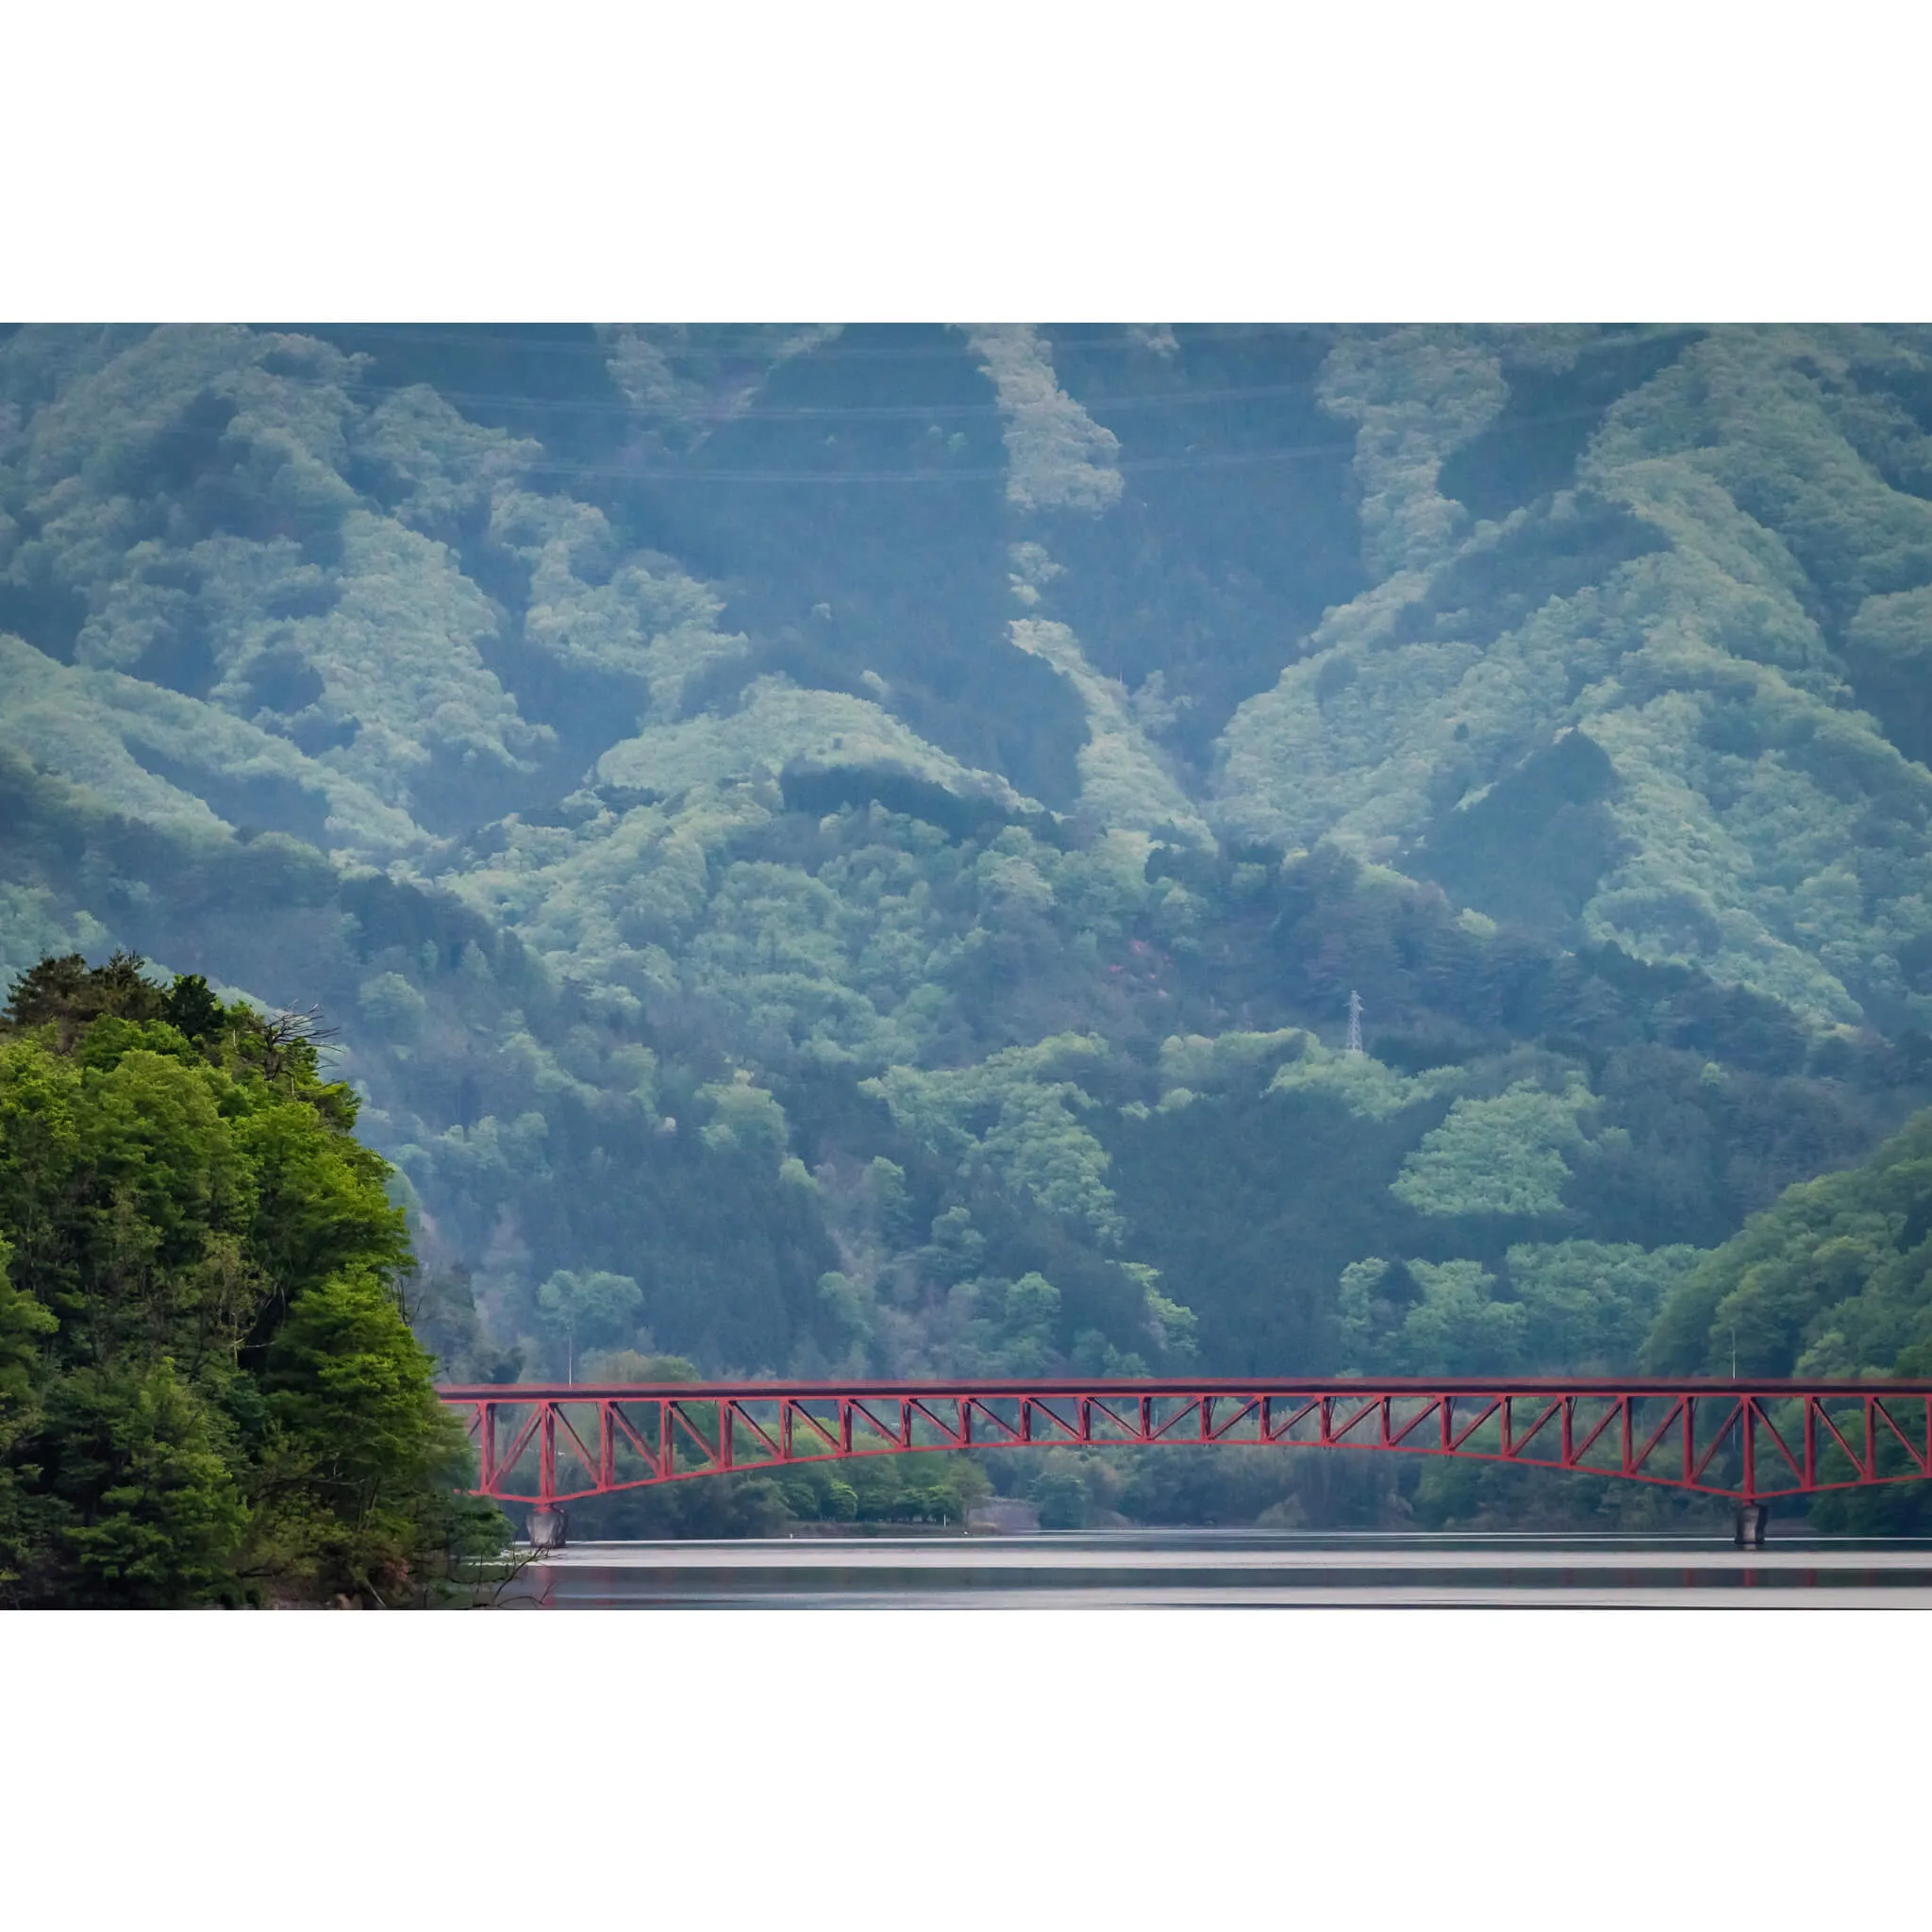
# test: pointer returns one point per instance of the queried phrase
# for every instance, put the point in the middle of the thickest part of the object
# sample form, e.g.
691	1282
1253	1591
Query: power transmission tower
1354	1025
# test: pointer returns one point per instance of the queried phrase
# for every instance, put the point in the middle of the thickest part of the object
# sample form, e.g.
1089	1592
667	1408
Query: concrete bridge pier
1750	1520
546	1527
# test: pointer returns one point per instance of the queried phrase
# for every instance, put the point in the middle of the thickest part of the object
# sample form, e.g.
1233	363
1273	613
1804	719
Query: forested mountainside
850	848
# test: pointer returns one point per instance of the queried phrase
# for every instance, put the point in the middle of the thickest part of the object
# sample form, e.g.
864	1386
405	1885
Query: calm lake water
1234	1568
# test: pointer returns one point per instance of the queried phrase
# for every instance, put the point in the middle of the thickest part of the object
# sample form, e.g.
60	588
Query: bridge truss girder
1748	1443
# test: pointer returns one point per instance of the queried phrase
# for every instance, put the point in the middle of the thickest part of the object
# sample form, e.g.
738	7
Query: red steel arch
1747	1441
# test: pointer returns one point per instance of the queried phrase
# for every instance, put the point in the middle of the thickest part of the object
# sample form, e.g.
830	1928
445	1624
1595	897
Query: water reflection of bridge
1749	1443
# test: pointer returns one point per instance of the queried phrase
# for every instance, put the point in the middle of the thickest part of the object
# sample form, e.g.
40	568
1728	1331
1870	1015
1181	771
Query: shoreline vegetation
209	1391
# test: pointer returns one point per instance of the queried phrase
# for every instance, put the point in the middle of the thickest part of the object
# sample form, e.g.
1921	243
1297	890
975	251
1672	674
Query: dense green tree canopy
209	1392
1835	1280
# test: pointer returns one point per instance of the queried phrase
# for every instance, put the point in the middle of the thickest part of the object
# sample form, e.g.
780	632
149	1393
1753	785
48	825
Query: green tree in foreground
208	1391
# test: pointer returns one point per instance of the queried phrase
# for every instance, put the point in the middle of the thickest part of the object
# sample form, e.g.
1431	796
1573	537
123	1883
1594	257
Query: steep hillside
852	846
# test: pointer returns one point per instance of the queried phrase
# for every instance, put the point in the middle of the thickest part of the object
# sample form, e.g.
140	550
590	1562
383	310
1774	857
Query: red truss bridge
1748	1443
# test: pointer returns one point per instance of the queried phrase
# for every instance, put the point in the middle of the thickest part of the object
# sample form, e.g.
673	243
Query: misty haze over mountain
847	849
